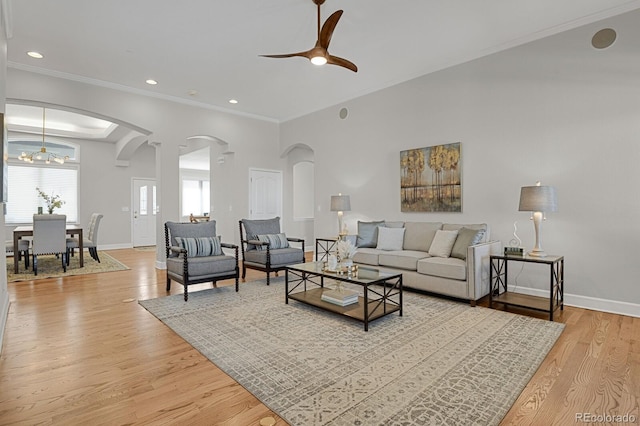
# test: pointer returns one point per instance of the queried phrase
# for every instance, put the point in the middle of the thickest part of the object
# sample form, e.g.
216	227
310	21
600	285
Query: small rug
441	363
51	267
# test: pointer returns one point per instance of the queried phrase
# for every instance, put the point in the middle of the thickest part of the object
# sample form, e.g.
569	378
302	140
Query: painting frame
431	179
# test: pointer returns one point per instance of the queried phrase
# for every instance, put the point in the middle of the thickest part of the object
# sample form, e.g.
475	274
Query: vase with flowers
346	250
53	201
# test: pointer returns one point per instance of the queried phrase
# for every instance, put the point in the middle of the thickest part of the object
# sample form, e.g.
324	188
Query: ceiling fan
319	55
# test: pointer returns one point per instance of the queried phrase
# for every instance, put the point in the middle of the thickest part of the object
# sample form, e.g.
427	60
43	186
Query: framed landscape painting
430	179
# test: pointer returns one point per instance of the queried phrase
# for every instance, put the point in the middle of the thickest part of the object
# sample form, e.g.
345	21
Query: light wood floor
76	351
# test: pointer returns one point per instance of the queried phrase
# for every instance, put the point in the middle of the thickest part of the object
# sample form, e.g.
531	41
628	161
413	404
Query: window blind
23	199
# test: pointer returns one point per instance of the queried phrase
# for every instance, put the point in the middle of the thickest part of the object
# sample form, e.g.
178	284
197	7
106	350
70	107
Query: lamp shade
538	199
340	203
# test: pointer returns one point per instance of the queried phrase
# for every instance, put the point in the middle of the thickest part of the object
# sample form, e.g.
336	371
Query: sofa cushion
276	241
394	224
477	226
449	267
402	259
200	246
390	238
368	233
367	256
443	243
466	237
418	235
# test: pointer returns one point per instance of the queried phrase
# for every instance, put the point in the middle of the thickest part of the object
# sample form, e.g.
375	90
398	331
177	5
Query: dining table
27	231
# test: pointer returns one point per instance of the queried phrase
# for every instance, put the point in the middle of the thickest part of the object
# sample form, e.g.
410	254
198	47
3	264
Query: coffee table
381	292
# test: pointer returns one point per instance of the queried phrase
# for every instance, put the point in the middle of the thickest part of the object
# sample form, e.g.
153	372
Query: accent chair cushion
255	227
191	230
276	241
201	267
466	237
279	257
443	243
368	233
200	246
390	239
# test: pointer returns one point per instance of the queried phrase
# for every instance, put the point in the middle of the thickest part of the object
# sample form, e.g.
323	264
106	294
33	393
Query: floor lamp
538	199
340	203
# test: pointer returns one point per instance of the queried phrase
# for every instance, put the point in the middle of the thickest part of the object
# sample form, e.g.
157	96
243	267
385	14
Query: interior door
265	194
144	212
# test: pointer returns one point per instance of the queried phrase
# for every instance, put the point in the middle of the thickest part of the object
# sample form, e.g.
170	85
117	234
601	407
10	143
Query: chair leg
268	278
26	259
64	262
95	254
35	265
237	279
244	271
186	292
168	283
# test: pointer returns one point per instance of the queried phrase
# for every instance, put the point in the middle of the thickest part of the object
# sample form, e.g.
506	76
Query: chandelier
42	154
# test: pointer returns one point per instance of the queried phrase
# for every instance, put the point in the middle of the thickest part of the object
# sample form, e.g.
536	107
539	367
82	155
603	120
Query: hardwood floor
78	351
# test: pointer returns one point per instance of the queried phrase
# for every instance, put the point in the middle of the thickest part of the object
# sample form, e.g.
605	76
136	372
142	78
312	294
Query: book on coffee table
341	298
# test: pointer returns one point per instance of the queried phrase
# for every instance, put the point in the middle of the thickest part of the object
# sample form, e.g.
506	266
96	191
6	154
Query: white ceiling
211	48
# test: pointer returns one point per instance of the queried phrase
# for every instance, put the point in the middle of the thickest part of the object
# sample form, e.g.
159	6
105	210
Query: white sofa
463	274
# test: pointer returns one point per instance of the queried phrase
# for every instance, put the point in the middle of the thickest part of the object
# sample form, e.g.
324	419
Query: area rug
51	267
441	363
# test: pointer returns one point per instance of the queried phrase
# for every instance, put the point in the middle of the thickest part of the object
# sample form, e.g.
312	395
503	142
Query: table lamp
340	203
538	199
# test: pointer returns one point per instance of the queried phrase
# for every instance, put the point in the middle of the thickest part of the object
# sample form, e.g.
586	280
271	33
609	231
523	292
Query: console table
498	277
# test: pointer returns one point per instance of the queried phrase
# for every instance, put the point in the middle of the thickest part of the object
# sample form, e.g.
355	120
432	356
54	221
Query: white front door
144	212
265	194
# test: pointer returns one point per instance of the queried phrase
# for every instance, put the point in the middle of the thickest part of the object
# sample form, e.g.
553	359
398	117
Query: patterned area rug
442	363
51	267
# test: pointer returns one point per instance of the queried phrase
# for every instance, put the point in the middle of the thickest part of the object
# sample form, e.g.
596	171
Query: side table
499	293
324	247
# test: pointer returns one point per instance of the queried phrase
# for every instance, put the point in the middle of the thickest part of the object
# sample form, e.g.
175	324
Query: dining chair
90	242
23	251
49	237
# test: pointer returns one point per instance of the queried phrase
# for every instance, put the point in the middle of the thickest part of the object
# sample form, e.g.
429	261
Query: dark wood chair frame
267	268
186	281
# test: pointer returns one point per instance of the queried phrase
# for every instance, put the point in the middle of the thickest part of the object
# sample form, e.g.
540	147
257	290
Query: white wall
253	143
555	110
4	293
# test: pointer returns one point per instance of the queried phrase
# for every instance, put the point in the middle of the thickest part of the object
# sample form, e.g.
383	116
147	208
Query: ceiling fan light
318	60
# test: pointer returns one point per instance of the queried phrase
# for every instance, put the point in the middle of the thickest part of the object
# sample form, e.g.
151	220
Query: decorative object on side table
53	201
538	200
346	250
340	203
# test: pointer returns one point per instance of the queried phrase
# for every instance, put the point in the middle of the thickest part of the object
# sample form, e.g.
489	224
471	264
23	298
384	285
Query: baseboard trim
586	302
4	316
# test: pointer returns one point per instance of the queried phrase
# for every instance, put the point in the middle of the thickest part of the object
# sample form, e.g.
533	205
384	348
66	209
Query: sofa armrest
478	268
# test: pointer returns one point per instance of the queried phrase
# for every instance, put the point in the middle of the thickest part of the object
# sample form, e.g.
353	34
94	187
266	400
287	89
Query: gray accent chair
89	242
188	270
266	259
23	251
49	237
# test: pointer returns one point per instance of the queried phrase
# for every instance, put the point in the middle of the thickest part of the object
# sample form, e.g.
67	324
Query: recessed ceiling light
233	101
36	55
152	82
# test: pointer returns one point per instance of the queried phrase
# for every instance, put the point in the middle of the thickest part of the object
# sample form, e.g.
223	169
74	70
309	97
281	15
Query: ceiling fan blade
324	38
334	60
289	55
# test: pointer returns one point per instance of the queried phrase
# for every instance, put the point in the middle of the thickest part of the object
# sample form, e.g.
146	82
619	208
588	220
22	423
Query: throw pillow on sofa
442	243
368	233
390	239
466	237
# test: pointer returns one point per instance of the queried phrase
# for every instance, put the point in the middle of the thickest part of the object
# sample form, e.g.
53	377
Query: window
53	179
23	199
195	197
